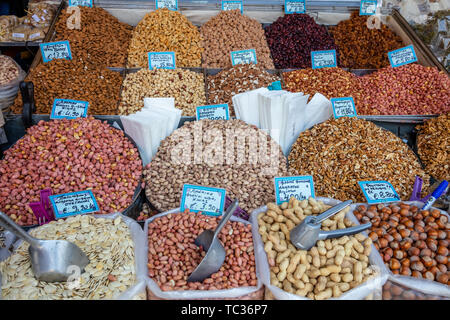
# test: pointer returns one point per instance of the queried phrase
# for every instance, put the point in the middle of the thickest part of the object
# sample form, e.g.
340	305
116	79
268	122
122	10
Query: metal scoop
50	259
215	252
308	232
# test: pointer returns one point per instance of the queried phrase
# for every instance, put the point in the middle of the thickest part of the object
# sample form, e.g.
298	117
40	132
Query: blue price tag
378	191
232	5
74	203
69	109
161	60
213	112
55	50
210	201
367	7
80	3
243	56
298	6
169	4
300	187
343	107
402	56
323	59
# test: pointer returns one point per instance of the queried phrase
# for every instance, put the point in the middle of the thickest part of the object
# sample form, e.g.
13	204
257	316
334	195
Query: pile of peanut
231	31
187	87
327	270
166	30
8	70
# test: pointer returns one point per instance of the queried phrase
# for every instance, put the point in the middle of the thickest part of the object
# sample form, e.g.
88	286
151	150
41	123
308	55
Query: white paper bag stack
153	123
284	114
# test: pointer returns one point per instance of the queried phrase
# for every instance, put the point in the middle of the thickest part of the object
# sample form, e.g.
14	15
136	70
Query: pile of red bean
292	38
173	256
67	156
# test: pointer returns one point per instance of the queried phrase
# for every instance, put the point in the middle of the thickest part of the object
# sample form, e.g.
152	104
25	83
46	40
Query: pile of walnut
328	269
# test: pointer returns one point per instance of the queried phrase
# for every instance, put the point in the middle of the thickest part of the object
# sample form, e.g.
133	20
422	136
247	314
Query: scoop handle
231	209
332	211
7	223
343	232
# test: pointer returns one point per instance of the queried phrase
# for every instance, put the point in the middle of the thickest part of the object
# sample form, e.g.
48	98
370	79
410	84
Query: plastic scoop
215	252
50	259
308	232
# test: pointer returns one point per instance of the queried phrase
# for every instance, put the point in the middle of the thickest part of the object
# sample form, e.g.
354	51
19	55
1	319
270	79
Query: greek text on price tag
402	56
343	107
161	60
232	5
243	56
298	6
213	112
210	201
70	204
378	191
300	187
69	109
367	7
169	4
323	59
80	3
55	50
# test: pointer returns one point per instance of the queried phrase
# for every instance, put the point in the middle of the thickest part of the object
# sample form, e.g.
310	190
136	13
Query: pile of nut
240	78
166	30
433	146
101	40
205	153
394	291
173	256
363	46
340	152
231	31
71	79
328	269
292	37
8	70
187	87
106	242
67	156
412	242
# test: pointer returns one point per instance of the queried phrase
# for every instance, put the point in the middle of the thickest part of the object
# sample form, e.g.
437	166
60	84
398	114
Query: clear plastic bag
393	290
371	289
243	293
8	91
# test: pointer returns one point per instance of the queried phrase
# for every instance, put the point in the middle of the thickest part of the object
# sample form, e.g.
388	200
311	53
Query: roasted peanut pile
166	30
187	87
328	269
433	145
102	39
106	242
245	169
8	70
67	156
71	79
173	256
361	47
240	78
231	31
340	152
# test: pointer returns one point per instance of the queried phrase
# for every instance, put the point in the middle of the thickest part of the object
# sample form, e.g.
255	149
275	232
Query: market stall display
395	291
238	79
433	146
362	45
340	152
292	38
10	76
72	79
165	30
231	31
101	40
67	156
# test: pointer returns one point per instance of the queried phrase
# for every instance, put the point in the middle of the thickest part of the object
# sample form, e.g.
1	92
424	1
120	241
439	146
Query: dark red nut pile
67	156
411	242
394	291
292	38
409	89
173	256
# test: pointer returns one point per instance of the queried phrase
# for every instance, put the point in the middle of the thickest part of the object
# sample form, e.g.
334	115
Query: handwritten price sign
55	50
343	107
296	6
323	59
232	5
367	7
210	201
70	204
402	56
69	109
161	60
213	112
81	3
378	191
300	187
169	4
243	57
